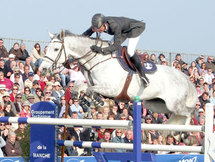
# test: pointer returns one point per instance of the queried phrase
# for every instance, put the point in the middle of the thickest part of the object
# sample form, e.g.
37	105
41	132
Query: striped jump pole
129	146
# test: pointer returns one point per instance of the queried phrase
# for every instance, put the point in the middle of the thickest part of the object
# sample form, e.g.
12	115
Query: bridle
54	62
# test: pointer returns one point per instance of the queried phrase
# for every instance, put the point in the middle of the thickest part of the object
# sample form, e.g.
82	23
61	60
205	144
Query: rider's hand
96	49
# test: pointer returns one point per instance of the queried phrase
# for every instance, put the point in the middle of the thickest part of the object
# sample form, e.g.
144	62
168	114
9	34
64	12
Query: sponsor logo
189	159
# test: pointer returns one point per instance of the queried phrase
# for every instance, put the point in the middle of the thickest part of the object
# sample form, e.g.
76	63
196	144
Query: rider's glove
96	49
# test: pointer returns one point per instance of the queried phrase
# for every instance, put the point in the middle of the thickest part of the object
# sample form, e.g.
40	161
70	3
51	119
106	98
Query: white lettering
194	159
41	155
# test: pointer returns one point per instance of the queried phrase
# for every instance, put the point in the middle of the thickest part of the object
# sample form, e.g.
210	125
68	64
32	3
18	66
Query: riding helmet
98	20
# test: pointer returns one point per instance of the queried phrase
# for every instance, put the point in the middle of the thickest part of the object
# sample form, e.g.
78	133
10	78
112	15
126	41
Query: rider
122	28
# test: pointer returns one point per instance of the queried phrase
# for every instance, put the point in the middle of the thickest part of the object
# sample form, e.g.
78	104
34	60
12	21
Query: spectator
18	103
3	68
161	57
75	107
204	98
203	69
24	52
42	81
2	144
6	100
31	99
2	90
118	139
179	60
157	119
26	72
3	51
70	93
21	67
153	58
210	64
5	81
208	77
27	91
29	82
12	147
38	96
14	93
170	140
76	75
8	110
15	50
37	55
28	62
106	138
11	69
35	85
128	138
57	92
26	109
20	134
114	109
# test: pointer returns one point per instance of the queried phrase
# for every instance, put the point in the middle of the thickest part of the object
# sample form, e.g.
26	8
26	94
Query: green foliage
25	143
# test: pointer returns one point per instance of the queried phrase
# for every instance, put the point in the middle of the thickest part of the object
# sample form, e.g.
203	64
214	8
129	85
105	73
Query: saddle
127	65
124	60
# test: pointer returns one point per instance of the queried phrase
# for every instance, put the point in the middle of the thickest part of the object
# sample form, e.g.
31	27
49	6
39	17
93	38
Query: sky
171	25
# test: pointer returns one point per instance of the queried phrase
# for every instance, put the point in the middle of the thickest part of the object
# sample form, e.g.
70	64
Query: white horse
169	91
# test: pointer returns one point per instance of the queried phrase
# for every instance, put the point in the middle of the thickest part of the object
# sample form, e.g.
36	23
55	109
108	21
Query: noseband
54	62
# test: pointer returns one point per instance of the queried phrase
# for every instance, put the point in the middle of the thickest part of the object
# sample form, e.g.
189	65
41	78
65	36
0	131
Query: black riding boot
139	66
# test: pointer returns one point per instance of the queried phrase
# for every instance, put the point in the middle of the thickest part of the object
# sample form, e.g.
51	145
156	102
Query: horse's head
66	46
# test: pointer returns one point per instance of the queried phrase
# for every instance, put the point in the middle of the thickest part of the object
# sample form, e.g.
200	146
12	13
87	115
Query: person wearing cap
57	92
121	28
11	58
29	82
31	99
6	100
15	50
26	111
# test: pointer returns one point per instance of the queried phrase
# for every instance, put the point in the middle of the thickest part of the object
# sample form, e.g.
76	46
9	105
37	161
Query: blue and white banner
43	137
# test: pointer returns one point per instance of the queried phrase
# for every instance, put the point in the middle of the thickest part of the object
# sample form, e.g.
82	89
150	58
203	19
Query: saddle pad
149	67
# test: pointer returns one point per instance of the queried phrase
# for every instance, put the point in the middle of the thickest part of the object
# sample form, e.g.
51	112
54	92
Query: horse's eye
56	49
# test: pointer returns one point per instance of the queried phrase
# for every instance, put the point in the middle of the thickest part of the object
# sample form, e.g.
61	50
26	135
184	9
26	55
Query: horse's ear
62	34
51	35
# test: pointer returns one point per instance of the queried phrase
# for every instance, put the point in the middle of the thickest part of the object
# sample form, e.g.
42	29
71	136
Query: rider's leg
132	43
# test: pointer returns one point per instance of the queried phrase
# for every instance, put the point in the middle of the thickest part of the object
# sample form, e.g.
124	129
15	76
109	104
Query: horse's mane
70	34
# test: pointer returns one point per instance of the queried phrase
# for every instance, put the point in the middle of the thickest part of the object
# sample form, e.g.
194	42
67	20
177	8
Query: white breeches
132	44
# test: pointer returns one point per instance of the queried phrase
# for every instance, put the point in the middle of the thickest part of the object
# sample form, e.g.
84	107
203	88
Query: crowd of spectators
22	84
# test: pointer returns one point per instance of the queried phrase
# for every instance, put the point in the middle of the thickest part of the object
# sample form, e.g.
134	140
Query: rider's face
100	30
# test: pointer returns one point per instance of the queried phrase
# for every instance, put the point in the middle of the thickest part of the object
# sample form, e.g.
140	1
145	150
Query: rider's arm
117	40
88	32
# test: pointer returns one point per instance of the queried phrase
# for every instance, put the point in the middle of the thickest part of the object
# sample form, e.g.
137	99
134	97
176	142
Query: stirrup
145	81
